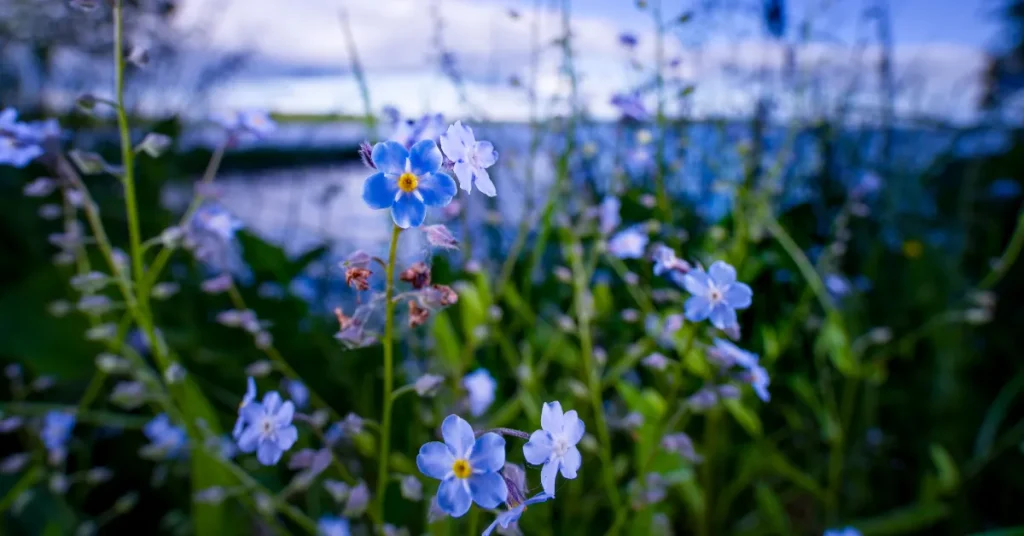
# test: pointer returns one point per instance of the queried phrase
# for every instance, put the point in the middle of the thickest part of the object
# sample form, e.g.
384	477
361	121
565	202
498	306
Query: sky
297	59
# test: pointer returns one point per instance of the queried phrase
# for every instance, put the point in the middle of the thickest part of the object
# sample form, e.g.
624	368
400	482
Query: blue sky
299	62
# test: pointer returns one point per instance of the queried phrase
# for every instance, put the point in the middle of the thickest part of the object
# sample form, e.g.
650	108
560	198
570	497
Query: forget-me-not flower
247	398
21	143
471	158
514	512
466	466
845	531
480	386
56	431
728	354
629	244
716	294
757	376
608	214
665	260
554	445
298	392
332	526
408	182
166	438
268	428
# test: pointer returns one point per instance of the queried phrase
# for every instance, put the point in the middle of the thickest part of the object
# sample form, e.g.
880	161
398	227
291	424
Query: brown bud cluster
418	275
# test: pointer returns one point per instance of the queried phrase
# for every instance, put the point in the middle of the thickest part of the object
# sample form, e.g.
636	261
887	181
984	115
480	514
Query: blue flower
837	285
21	143
269	430
247	398
729	354
665	260
757	377
480	386
466	466
629	244
166	438
1004	189
255	122
627	39
409	131
716	294
554	445
408	181
332	526
471	158
630	106
513	514
215	220
56	431
298	392
608	214
845	531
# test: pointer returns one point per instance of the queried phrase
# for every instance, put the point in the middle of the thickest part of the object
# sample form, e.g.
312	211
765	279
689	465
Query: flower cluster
471	465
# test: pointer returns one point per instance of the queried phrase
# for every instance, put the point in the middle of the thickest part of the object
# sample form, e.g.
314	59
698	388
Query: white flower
471	158
554	445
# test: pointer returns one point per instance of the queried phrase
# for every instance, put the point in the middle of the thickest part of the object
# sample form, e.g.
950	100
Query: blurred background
872	144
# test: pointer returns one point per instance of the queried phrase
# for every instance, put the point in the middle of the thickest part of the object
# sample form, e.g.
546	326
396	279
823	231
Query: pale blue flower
837	285
608	214
165	437
56	431
298	392
408	182
554	445
716	294
630	105
268	428
255	122
333	526
665	260
513	514
214	219
466	466
629	244
758	378
480	386
247	398
728	354
21	143
410	131
845	531
471	158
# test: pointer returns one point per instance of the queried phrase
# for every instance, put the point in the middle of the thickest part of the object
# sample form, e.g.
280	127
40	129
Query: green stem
127	154
389	380
28	480
1009	255
360	75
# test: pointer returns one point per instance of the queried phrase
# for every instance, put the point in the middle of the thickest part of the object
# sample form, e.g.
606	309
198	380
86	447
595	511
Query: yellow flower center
408	182
462	469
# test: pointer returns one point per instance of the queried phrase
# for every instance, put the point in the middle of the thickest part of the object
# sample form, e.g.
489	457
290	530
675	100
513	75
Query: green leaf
995	415
603	300
267	261
207	471
744	416
1012	531
948	474
516	302
473	312
771	510
909	519
447	342
780	465
833	342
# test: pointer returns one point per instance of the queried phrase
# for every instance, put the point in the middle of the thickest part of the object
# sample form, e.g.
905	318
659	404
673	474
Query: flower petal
739	296
249	439
390	157
458	435
696	282
571	463
547	477
268	453
437	189
538	449
435	460
284	414
482	181
551	417
697	308
287	436
723	316
239	426
453	497
379	191
252	412
424	158
722	273
488	489
408	211
486	156
453	142
573	427
464	172
271	402
250	390
488	453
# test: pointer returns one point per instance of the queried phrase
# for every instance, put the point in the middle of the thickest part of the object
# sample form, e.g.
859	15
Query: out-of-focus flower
554	445
627	39
255	122
268	428
512	515
656	361
480	386
630	106
629	244
412	488
21	143
837	285
56	431
298	392
681	444
758	378
410	131
332	526
608	214
467	467
1005	189
665	260
418	315
845	531
417	275
216	285
439	236
716	294
727	354
408	181
428	384
41	187
358	278
471	158
166	440
154	144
